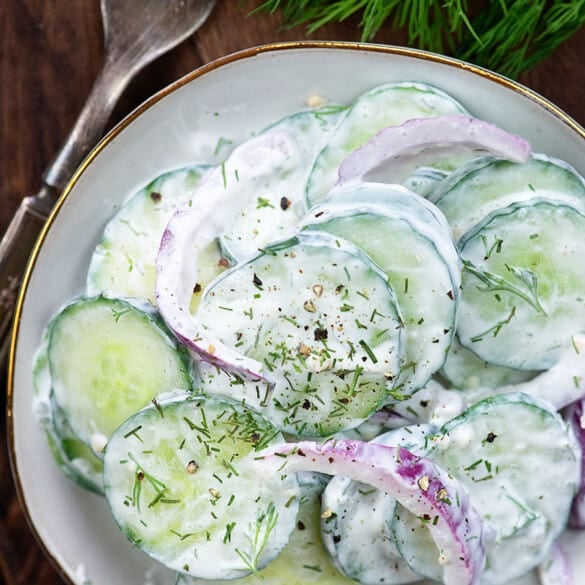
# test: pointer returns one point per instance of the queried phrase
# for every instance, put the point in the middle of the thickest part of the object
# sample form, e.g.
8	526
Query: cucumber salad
354	351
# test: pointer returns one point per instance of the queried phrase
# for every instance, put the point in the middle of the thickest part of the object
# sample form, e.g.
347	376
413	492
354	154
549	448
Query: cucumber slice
404	236
355	522
278	203
486	184
303	560
322	319
386	105
425	180
559	386
75	459
522	288
107	359
465	371
422	487
520	464
123	263
182	482
311	128
217	381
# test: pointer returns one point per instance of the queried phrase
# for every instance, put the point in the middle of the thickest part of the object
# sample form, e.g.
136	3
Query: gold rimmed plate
228	99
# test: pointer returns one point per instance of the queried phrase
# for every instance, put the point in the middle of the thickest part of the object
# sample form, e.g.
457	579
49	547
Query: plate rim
214	65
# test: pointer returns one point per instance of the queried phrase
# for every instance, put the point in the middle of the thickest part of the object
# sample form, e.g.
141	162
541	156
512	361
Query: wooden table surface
50	53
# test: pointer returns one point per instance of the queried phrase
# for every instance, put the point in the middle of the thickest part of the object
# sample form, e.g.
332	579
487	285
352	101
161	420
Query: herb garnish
265	524
509	36
526	289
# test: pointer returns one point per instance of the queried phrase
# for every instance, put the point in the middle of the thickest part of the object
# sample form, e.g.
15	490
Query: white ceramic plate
230	98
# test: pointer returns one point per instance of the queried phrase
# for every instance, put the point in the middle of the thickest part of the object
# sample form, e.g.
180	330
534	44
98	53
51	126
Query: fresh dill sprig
524	287
265	524
508	36
515	35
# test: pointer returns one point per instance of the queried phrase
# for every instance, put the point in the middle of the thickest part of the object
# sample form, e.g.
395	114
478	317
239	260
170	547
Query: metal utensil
135	33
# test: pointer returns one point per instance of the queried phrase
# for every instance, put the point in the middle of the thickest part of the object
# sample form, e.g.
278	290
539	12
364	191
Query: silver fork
135	33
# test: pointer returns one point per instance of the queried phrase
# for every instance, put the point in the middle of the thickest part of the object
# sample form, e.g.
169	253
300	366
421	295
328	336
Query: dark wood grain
50	52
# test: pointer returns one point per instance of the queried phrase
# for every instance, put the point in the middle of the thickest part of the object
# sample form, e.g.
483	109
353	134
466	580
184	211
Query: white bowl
229	98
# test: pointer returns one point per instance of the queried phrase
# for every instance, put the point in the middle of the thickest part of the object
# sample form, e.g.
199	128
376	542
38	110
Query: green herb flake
368	351
315	568
262	203
221	143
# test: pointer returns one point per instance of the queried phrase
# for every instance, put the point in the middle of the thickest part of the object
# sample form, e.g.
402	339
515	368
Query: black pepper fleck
320	334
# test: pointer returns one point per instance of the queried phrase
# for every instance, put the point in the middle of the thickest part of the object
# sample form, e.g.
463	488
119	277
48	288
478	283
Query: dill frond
507	36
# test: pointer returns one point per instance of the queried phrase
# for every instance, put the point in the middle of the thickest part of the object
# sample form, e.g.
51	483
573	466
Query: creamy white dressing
272	211
257	196
304	559
518	462
558	387
412	245
306	312
463	370
357	533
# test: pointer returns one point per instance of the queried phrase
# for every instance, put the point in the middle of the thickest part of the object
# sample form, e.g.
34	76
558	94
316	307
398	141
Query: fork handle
89	126
15	249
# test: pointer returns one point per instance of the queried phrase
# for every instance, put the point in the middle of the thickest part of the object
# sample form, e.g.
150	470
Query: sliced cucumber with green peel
486	184
75	459
463	370
523	285
122	264
520	464
79	462
182	482
402	234
311	128
356	519
303	560
214	380
425	180
322	319
387	105
107	359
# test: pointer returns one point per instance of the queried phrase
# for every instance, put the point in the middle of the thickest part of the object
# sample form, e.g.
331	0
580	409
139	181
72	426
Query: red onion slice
422	141
575	415
214	207
415	482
